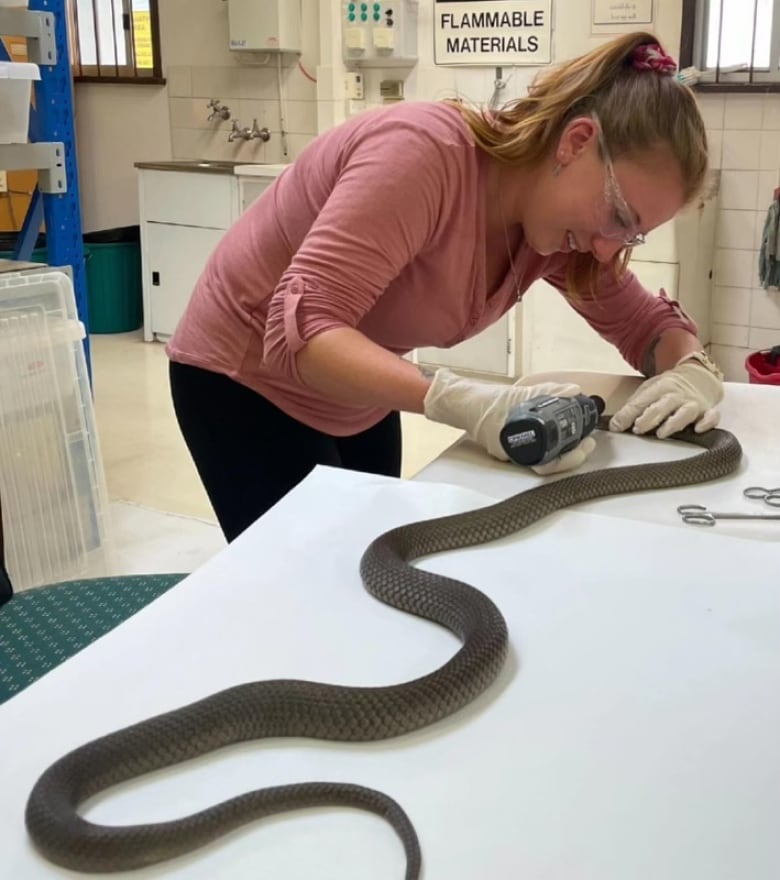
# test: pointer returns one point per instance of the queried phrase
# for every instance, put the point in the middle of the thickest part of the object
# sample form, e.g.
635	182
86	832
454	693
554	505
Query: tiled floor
161	517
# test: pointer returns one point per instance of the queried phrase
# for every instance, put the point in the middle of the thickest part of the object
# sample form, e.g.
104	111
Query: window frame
756	80
127	74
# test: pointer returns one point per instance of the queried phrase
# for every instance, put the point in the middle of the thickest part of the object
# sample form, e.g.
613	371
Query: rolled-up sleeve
626	313
382	210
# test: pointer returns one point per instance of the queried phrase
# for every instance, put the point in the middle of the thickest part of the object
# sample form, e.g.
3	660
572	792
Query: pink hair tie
650	56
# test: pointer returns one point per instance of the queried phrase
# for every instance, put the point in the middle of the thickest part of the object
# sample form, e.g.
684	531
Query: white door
657	276
555	337
491	351
176	257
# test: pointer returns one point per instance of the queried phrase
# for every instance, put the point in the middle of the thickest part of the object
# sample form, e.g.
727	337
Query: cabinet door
188	199
657	276
556	338
490	351
176	256
249	188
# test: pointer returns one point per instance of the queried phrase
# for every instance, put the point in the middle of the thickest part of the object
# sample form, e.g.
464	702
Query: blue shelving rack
52	147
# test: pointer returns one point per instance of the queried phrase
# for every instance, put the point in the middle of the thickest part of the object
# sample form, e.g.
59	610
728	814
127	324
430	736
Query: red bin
764	366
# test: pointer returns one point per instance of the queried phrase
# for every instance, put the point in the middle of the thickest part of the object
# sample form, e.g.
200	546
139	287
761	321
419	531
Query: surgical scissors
698	515
768	496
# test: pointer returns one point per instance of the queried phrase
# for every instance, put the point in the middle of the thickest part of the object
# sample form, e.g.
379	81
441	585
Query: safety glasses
621	225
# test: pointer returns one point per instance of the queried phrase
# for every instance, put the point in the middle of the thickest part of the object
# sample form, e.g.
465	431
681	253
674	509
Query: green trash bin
39	255
113	268
114	292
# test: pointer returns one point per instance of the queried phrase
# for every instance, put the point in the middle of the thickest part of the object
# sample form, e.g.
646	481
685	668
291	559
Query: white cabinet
183	215
184	212
175	256
493	352
253	180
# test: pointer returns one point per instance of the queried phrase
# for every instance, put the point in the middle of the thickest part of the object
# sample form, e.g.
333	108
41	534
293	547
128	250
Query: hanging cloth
769	254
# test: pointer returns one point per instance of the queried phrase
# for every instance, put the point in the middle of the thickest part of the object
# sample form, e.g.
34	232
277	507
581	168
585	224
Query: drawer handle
156	279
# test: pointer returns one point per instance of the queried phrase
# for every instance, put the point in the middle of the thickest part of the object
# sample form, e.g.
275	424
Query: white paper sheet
751	412
634	733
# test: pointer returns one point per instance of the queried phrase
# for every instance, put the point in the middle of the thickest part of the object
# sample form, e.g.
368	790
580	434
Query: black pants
249	453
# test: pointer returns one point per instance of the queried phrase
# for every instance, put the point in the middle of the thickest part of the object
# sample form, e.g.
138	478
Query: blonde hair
639	111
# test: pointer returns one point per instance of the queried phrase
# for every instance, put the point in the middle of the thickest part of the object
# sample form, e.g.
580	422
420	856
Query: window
734	43
115	41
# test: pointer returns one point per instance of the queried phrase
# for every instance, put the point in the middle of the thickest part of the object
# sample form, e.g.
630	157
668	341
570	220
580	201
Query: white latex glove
687	394
481	409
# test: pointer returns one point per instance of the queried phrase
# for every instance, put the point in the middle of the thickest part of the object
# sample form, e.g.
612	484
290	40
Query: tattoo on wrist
648	364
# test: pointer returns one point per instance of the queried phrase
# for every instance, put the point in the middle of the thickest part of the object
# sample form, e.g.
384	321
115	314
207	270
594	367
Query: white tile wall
765	310
712	109
743	111
251	92
772	115
761	339
715	145
736	229
744	136
770	151
738	190
735	268
729	334
741	149
731	305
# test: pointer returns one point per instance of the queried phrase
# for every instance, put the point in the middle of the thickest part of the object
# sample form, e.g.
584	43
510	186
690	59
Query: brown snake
309	709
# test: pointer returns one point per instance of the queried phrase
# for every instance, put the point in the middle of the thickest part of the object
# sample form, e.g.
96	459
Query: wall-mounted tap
257	132
239	133
218	110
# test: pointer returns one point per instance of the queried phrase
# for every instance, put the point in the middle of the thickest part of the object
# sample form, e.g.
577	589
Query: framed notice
622	12
492	32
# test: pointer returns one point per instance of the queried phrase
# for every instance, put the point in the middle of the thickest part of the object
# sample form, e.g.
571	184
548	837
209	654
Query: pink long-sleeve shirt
378	225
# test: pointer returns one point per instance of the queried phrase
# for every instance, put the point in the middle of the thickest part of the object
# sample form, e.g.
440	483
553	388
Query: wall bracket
47	157
38	27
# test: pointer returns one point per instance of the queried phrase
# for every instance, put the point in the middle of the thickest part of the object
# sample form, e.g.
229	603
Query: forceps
698	515
768	496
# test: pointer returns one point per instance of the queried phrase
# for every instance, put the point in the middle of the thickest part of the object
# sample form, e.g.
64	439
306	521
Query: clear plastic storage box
55	507
16	79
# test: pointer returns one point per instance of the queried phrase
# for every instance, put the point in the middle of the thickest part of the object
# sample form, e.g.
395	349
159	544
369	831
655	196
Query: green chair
41	628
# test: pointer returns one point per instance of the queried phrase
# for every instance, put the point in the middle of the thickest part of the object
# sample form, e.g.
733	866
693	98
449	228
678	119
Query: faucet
218	110
237	133
257	132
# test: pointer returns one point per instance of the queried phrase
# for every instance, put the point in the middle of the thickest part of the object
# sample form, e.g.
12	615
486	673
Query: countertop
201	166
214	166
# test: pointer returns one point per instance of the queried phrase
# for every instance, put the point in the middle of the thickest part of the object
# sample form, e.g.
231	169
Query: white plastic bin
15	89
51	474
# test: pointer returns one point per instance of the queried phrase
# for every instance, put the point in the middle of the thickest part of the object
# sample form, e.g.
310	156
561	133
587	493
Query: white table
633	735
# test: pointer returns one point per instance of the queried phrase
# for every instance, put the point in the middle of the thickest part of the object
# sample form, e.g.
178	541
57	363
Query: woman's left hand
686	394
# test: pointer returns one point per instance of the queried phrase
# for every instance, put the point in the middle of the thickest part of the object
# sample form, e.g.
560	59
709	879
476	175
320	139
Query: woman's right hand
481	409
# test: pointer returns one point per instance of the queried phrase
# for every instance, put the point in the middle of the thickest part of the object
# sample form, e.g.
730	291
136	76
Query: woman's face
592	204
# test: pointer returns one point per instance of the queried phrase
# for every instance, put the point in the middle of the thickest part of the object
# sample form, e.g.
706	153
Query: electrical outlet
3	181
353	86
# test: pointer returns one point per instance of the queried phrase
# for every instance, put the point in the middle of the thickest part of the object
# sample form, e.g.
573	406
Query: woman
421	224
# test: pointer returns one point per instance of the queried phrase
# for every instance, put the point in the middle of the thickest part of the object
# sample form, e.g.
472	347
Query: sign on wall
492	32
622	11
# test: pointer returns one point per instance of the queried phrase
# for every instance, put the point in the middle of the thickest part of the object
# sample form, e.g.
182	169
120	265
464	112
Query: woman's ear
575	138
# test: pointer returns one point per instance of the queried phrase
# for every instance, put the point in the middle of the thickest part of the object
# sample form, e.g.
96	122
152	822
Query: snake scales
310	709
